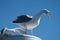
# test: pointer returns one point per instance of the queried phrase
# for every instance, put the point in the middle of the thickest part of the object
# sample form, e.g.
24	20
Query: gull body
30	22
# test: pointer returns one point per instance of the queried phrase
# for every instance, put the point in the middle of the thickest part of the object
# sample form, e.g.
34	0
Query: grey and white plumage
30	22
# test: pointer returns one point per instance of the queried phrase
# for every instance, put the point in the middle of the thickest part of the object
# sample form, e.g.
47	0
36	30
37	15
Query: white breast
32	24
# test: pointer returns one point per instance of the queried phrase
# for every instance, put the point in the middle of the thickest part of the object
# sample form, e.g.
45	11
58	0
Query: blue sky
48	28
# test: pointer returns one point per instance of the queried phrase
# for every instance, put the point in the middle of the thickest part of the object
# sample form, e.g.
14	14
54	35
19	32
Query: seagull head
47	12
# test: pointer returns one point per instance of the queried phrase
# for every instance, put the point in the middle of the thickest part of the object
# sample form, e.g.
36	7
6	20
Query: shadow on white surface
19	37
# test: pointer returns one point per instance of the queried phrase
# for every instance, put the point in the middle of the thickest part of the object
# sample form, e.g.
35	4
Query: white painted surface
30	37
24	37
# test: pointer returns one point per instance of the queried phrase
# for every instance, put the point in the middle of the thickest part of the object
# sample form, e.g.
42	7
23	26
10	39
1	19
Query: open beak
49	15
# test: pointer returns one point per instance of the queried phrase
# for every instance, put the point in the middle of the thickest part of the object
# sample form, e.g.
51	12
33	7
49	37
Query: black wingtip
14	22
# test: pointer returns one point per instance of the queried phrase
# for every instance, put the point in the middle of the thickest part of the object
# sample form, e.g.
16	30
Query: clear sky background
49	29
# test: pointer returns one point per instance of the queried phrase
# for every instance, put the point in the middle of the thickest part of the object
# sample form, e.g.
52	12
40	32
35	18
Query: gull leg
25	29
31	32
